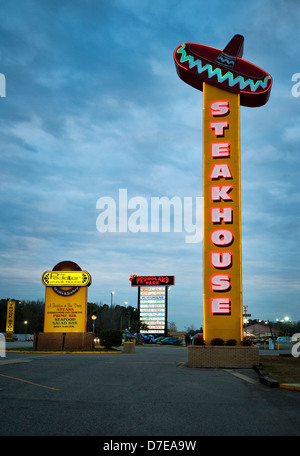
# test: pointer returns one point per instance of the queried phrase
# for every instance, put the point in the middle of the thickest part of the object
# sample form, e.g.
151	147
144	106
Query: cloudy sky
94	105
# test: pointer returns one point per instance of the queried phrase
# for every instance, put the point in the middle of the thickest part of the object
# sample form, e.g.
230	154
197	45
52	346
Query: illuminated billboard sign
153	301
138	281
10	319
227	81
66	298
153	309
66	278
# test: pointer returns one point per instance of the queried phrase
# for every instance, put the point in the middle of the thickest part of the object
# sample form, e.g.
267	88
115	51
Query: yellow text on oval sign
66	278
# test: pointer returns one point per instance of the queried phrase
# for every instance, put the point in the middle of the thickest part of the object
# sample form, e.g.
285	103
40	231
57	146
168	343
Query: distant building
261	330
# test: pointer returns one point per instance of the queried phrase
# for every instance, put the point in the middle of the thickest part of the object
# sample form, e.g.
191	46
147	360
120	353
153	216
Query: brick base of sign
222	356
129	347
63	341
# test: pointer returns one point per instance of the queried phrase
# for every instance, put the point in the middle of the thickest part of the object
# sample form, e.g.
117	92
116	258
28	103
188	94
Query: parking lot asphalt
147	393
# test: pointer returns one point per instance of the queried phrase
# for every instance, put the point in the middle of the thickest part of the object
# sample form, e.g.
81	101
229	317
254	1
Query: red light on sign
139	281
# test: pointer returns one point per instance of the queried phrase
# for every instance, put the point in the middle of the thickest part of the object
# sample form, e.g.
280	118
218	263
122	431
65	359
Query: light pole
111	298
128	315
25	323
111	306
94	318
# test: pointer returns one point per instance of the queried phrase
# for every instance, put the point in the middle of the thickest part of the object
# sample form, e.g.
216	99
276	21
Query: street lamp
25	323
128	315
111	298
111	306
94	318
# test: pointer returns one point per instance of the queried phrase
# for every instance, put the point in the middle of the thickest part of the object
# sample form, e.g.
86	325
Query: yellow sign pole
222	271
10	319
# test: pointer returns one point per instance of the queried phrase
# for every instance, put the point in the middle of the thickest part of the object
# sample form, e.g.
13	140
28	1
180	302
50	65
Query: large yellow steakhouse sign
227	81
222	288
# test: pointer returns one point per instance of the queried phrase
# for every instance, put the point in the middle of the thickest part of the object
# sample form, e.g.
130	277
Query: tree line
108	317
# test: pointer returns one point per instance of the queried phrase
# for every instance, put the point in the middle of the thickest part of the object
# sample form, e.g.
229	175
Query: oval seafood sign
66	279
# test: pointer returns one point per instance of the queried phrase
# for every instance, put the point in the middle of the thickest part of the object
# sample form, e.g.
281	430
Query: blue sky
93	105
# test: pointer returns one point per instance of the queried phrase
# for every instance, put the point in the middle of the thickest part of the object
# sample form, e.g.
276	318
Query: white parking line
242	376
14	361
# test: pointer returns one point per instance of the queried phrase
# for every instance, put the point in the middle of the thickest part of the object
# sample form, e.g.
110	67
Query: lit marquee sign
66	279
138	281
227	81
153	301
65	298
10	320
153	309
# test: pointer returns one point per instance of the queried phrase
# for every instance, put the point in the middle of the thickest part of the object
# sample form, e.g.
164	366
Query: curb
290	386
264	378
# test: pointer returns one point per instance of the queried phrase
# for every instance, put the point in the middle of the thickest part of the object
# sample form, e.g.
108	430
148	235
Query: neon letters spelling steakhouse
227	81
221	237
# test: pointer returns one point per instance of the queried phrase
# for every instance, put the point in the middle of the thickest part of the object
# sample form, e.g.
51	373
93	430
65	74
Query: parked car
170	341
158	339
197	336
147	338
283	340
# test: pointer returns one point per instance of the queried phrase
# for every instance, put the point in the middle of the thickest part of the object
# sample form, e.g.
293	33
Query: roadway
148	393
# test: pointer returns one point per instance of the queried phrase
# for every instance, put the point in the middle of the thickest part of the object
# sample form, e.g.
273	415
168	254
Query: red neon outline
222	113
220	176
219	150
224	280
214	126
222	215
224	242
221	264
219	191
226	302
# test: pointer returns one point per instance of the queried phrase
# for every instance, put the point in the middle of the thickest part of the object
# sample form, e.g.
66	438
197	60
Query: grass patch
284	369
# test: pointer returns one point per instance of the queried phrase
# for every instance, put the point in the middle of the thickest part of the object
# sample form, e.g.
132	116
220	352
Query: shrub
247	342
217	341
110	337
199	341
231	342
